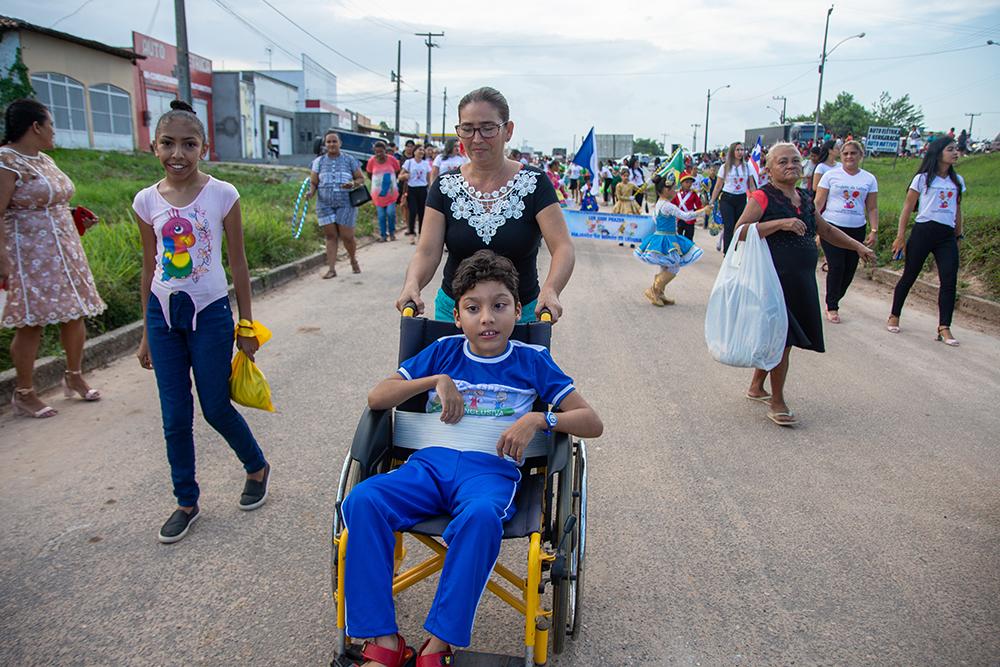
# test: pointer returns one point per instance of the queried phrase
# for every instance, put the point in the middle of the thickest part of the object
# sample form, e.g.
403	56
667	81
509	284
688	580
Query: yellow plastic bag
247	384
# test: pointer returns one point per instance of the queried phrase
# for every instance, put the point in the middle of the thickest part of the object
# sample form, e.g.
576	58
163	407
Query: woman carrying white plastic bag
788	221
746	321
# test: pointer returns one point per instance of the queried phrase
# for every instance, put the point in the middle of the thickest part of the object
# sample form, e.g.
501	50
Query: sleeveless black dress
795	259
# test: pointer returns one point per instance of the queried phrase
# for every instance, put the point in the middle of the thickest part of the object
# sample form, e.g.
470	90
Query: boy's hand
452	403
515	440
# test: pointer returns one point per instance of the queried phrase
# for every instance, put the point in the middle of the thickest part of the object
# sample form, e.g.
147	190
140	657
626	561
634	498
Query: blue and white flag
755	157
586	157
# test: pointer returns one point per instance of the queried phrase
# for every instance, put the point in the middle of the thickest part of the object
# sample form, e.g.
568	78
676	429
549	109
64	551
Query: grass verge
106	182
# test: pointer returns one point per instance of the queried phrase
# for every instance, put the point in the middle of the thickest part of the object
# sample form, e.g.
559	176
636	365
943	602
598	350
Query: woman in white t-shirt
731	188
936	194
848	198
449	160
828	155
416	173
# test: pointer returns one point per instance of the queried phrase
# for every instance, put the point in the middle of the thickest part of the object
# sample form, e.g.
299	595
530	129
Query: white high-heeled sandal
91	395
947	341
21	410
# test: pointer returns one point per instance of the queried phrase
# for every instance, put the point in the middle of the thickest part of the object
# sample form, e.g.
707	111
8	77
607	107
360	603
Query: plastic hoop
296	219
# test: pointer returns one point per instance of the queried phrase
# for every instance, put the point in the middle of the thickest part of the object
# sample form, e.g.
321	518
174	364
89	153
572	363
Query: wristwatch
550	420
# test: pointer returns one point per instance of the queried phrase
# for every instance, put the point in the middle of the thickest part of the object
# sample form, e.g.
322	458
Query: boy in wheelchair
482	375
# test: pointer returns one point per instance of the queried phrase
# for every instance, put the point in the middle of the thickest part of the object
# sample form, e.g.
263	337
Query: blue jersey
501	388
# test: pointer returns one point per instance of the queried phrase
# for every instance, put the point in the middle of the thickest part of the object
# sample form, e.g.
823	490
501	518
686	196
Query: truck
794	132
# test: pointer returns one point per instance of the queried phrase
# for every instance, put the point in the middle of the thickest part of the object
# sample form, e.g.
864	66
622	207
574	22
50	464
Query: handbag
359	195
746	322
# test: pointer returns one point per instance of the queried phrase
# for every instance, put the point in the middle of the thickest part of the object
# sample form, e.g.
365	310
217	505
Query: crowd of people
461	200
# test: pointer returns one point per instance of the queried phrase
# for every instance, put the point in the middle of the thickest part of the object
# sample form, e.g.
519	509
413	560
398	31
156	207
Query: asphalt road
868	535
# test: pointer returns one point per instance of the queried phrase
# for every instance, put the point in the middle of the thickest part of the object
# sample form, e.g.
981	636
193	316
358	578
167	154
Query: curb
965	303
108	347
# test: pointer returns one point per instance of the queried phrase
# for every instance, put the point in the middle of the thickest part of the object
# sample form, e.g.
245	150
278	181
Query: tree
15	84
845	116
896	113
648	146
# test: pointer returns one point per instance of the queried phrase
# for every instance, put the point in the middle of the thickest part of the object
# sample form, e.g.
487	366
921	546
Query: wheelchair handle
545	315
409	309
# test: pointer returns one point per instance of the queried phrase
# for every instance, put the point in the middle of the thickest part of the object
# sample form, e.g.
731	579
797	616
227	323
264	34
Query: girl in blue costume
665	247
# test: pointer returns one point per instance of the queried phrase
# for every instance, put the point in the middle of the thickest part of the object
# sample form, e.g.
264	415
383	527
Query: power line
229	10
909	55
318	40
72	13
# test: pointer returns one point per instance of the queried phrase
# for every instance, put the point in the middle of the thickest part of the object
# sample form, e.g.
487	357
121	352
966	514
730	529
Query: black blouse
504	221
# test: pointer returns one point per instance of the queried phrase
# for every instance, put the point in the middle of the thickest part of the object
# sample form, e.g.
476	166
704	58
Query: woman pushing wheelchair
479	375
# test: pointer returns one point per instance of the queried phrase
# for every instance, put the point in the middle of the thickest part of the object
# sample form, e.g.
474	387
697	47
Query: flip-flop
760	399
833	316
791	421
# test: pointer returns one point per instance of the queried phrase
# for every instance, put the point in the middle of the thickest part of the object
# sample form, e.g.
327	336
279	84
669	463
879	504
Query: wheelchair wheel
577	569
566	570
350	476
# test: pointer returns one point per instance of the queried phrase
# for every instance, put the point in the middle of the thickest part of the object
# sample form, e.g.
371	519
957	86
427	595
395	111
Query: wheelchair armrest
372	440
559	453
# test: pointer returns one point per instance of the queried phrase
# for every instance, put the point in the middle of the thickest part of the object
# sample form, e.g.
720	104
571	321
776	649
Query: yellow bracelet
245	332
245	323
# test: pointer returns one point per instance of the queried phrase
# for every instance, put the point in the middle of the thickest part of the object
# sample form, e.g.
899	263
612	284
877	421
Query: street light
990	42
822	66
781	116
784	105
708	104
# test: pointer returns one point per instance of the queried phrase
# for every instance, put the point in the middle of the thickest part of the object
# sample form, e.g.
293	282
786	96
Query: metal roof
8	24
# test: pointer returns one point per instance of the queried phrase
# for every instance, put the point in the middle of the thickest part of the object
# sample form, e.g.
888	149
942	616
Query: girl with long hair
936	194
731	190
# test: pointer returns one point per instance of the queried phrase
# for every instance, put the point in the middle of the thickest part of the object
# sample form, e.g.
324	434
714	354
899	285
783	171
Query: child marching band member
665	247
686	200
625	195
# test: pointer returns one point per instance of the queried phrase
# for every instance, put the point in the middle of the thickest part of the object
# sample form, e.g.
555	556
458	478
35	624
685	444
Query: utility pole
708	105
822	63
444	112
784	105
395	77
972	117
268	49
694	138
663	136
429	43
183	62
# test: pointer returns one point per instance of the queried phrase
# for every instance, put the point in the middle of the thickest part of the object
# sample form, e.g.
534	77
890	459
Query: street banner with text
608	226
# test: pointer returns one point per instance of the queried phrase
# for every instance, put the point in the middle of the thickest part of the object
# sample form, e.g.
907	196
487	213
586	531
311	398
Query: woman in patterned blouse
495	203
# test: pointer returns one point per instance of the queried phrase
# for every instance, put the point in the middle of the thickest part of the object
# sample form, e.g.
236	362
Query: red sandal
442	658
397	657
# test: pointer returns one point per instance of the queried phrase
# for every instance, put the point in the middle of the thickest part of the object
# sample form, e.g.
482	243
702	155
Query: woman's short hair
781	144
20	115
379	144
856	144
329	132
491	96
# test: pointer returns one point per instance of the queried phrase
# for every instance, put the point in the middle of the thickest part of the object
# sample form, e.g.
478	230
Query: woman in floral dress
42	261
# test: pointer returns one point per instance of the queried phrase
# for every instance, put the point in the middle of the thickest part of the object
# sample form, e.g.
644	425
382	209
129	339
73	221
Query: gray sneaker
177	525
254	492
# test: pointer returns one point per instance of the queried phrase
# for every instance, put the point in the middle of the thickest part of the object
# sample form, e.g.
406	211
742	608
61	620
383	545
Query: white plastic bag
746	323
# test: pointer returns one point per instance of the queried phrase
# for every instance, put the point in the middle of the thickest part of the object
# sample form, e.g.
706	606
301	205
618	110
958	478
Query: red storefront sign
156	85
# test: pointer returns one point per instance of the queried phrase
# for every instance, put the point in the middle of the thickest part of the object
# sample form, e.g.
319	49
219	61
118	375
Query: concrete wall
90	67
277	100
226	115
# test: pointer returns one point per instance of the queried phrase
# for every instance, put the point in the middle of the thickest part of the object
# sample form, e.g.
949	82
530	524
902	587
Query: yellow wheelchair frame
556	545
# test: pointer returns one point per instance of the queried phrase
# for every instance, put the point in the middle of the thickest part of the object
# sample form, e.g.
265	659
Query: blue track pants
476	489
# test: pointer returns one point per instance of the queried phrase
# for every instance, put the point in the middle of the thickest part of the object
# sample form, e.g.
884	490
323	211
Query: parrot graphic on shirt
178	237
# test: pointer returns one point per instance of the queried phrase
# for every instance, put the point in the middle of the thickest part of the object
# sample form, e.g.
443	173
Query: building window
110	109
64	98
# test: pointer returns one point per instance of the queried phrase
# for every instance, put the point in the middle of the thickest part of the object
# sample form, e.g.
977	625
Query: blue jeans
386	220
208	351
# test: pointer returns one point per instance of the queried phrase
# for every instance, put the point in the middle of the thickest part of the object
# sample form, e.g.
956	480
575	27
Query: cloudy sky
625	66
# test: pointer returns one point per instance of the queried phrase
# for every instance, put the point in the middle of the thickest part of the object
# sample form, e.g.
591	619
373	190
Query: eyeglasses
487	131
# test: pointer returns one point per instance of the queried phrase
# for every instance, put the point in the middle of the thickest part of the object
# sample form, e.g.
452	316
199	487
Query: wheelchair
551	513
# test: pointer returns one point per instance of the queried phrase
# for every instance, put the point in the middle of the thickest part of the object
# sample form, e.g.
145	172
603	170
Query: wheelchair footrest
462	659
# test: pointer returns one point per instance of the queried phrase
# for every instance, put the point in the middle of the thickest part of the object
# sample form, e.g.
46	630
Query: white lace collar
488	211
